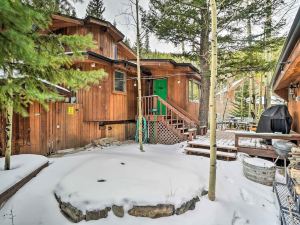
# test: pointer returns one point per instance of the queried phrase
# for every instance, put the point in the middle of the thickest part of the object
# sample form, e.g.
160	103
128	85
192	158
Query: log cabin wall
289	76
294	110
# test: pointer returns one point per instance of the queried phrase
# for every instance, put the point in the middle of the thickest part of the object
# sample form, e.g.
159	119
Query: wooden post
212	102
140	116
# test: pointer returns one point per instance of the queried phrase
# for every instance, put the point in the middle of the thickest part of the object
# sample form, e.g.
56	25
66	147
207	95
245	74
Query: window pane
190	90
120	81
196	91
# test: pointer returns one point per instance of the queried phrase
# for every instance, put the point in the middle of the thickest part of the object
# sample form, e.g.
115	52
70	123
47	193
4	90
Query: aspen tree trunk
242	101
8	132
260	96
212	102
226	103
251	84
268	34
140	116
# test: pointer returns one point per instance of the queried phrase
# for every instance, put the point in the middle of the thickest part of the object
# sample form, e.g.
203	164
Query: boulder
97	214
204	192
105	142
118	210
160	210
189	205
74	214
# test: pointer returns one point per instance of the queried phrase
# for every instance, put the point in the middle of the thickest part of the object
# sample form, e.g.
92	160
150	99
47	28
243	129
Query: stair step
177	124
206	152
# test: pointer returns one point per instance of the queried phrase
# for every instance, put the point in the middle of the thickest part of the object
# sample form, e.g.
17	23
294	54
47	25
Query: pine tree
188	21
147	42
240	104
95	9
64	7
28	58
127	42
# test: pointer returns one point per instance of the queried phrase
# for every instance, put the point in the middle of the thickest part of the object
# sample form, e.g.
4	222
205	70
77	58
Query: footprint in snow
230	180
237	220
246	196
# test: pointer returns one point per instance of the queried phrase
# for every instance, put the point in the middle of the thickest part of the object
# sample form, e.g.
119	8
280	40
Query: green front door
161	89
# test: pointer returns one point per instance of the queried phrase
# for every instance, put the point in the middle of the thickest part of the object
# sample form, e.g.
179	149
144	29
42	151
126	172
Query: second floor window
194	91
119	81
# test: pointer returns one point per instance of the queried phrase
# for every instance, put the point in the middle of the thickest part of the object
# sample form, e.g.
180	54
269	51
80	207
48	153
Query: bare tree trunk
242	101
212	102
252	102
268	34
205	82
260	106
8	136
140	116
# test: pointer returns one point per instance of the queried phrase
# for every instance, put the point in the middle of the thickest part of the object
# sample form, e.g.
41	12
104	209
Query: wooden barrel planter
259	170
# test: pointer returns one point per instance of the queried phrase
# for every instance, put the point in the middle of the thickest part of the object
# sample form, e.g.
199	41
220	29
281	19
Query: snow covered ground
239	201
21	166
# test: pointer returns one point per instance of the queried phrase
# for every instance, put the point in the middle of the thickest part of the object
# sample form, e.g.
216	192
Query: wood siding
177	85
294	110
44	132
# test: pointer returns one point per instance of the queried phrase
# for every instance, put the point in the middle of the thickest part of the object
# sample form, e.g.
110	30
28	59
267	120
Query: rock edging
150	211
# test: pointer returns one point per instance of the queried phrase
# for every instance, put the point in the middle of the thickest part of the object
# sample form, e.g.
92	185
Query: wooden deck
246	142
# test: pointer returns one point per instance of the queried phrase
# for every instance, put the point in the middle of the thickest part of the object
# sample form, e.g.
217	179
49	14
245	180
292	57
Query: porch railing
155	105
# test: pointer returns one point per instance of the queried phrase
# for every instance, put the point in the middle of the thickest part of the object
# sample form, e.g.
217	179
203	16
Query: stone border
4	196
151	211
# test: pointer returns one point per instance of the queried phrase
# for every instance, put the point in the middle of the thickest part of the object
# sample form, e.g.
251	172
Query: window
194	91
119	81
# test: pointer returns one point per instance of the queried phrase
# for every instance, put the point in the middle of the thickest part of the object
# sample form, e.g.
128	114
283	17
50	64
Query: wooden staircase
170	123
201	147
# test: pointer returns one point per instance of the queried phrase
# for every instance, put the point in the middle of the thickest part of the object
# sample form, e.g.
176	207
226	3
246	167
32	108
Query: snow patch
21	166
259	162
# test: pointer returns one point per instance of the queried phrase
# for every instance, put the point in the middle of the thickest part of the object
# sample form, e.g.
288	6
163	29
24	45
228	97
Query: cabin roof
289	45
125	62
173	62
61	21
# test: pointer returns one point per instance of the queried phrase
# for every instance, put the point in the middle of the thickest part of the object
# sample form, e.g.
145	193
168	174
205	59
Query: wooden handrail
150	106
290	137
183	111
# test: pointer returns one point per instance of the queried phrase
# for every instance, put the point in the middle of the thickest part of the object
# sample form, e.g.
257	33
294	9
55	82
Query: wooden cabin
286	80
108	109
171	100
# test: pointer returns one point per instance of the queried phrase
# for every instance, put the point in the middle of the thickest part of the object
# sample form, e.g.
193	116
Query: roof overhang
288	66
114	32
182	69
62	21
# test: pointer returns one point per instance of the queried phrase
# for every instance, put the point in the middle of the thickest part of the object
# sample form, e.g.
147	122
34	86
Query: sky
113	11
115	8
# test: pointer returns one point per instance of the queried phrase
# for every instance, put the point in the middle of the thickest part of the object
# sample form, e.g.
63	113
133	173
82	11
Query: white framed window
119	81
194	91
